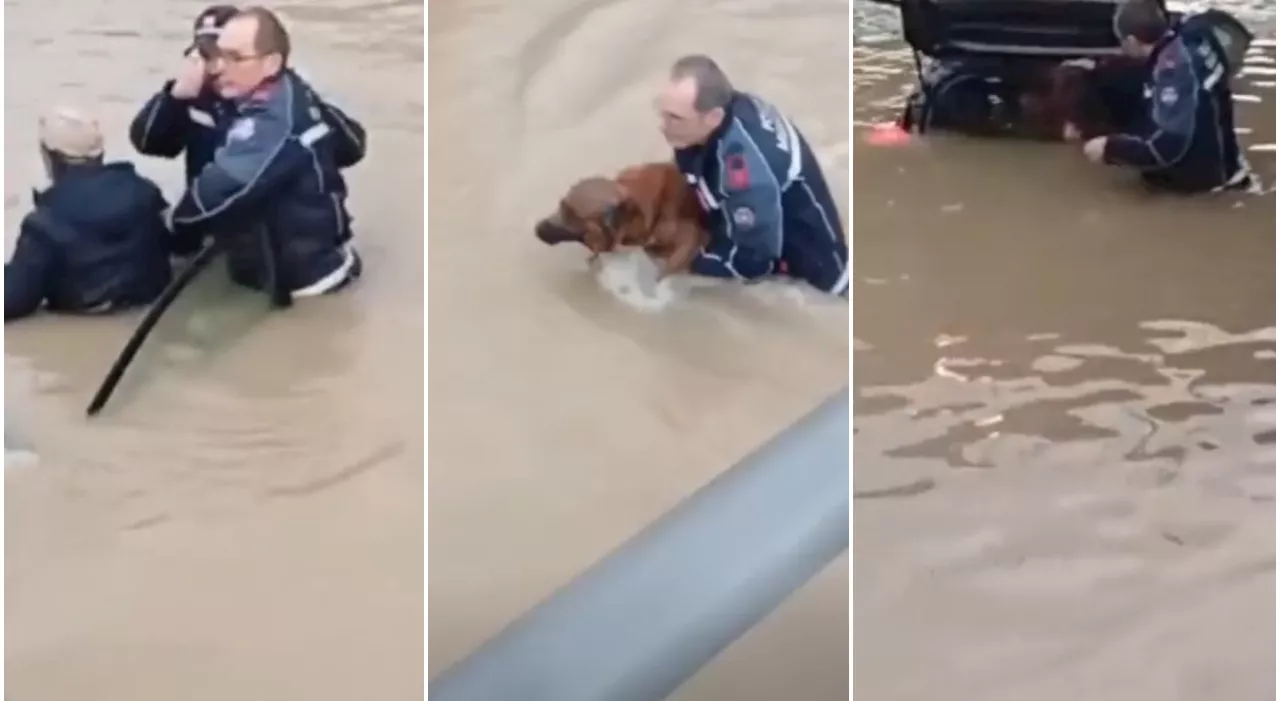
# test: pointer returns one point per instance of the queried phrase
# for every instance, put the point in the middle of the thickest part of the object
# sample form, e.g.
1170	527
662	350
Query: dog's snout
551	233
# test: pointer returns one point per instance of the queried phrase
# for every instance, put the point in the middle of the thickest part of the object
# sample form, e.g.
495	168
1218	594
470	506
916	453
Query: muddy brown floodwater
1064	421
244	520
564	418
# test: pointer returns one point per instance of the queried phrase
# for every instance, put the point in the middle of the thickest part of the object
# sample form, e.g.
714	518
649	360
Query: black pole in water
644	619
277	288
158	307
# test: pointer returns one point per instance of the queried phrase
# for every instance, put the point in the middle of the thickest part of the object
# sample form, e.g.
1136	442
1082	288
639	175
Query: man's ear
715	116
275	64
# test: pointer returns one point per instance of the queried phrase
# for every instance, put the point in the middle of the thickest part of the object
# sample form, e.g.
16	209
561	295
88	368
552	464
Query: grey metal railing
644	619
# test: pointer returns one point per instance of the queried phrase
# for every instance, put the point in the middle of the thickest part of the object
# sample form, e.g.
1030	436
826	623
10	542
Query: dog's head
595	212
1068	94
1081	102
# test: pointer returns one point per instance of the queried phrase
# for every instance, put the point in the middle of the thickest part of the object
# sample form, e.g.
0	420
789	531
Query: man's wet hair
270	37
713	88
1144	20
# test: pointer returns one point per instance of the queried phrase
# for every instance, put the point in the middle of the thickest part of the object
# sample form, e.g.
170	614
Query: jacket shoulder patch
242	130
737	174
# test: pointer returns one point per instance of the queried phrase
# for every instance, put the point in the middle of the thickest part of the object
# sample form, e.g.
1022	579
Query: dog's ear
635	206
598	241
645	186
626	223
615	216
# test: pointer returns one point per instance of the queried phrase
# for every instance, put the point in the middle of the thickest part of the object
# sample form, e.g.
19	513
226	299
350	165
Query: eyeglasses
236	57
212	54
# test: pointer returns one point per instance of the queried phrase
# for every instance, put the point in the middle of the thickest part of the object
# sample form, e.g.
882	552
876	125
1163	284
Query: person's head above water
1139	25
253	47
693	101
206	28
69	137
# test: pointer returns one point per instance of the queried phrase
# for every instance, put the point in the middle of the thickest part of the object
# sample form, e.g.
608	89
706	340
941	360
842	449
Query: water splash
20	460
18	452
632	277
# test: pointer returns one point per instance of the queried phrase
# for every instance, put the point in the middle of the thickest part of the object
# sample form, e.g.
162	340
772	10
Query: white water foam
20	460
18	453
630	275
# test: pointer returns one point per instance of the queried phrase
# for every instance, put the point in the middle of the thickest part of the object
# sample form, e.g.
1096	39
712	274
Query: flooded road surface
564	418
1065	417
244	519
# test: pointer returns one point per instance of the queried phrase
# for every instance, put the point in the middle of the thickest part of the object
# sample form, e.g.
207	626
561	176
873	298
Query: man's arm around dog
746	239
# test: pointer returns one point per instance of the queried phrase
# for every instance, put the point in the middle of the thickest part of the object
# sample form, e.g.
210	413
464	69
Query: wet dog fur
1089	99
647	206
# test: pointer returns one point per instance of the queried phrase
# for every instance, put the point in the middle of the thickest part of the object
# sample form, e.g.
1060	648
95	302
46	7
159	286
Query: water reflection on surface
1065	415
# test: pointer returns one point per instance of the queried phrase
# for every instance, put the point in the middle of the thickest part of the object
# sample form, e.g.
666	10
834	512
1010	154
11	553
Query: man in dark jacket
766	201
187	116
96	240
1188	143
272	191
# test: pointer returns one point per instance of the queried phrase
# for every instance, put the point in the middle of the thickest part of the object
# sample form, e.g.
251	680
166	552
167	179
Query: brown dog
1095	101
648	206
1062	95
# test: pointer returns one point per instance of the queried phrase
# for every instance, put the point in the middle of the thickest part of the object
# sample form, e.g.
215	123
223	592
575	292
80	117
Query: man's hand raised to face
190	78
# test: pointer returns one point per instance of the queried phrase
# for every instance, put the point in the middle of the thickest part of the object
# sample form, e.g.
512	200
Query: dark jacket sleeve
1119	83
161	126
1175	103
259	155
348	134
179	245
26	275
749	239
724	258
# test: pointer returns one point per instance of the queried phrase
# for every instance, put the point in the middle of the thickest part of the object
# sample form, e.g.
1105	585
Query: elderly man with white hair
95	241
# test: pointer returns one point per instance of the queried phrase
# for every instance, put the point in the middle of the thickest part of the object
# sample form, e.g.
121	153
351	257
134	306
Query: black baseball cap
208	25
